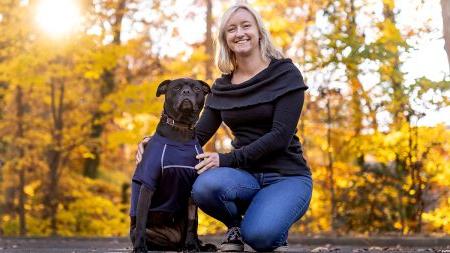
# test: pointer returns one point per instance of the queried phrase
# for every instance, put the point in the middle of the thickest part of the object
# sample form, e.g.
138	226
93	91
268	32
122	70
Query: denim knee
204	189
261	238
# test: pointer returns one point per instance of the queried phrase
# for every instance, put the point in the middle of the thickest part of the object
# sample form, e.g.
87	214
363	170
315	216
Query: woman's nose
239	32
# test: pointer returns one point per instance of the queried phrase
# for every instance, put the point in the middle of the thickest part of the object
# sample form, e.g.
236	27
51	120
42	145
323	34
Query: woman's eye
230	30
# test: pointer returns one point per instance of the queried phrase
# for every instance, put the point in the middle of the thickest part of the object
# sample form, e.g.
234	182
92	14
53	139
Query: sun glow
57	17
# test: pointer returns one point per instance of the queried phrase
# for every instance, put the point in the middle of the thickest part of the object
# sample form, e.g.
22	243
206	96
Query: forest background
77	93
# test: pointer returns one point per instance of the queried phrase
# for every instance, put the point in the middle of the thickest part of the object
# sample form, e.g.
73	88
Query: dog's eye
197	89
177	88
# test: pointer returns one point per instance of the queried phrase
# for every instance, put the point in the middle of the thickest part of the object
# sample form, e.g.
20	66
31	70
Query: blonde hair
225	58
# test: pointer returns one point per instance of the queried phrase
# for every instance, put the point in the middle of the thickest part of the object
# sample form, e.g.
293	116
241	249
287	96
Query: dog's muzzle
186	104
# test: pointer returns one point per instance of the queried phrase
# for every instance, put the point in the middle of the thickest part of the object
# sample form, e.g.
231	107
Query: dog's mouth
186	104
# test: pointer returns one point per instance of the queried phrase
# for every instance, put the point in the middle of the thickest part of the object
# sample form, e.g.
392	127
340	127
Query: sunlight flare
57	17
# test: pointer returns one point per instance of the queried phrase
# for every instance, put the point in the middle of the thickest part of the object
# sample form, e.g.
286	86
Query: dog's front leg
145	198
192	242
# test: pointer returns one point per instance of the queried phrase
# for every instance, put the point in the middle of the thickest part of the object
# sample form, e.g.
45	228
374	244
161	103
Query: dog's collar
171	122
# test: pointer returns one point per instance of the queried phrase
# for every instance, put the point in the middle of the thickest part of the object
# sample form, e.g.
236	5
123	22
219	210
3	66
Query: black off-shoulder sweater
262	113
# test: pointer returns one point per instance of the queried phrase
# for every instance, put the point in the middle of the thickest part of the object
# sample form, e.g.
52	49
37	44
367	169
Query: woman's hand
210	160
140	149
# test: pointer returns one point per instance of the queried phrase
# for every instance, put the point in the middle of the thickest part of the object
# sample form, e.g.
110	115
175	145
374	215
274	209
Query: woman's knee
207	185
262	238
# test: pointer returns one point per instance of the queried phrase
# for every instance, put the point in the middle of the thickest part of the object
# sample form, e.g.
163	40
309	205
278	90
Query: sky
429	59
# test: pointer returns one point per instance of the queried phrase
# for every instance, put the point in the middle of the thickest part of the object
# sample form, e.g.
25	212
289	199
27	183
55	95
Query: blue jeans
270	203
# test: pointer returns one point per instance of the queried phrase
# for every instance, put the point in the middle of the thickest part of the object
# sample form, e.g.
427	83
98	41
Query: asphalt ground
296	244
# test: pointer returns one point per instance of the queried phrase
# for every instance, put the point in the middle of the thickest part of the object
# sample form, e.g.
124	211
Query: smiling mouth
241	41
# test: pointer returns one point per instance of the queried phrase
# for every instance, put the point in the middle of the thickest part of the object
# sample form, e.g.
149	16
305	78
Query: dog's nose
185	92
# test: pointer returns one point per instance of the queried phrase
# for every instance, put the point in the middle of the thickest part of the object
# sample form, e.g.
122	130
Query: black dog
163	216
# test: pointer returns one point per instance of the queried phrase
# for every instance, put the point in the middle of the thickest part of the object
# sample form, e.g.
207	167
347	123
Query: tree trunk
402	114
108	86
305	111
352	73
117	26
445	4
55	154
399	99
330	167
209	62
356	88
125	200
20	168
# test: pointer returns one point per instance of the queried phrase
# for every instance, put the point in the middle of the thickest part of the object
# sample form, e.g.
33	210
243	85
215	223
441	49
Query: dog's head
184	97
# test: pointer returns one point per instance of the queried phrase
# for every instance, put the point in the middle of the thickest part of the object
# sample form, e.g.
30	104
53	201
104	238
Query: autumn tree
445	5
73	108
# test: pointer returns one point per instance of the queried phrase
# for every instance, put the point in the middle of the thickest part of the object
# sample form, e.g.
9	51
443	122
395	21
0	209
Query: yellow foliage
398	225
438	219
88	155
93	216
389	3
209	225
81	64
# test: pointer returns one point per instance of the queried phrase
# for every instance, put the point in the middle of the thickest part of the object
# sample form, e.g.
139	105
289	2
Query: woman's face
241	33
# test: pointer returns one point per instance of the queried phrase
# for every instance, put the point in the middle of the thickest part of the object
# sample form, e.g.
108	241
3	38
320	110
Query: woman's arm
207	125
286	114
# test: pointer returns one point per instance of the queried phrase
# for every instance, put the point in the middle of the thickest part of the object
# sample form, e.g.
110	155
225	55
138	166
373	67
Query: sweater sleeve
207	125
286	114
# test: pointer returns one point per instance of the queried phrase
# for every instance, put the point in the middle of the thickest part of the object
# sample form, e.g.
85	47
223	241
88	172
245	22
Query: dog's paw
140	250
191	246
208	247
195	245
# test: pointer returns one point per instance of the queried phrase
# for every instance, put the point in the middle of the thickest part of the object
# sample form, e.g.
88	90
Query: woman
265	178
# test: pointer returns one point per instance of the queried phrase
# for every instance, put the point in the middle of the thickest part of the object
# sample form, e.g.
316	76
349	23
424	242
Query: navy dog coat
167	168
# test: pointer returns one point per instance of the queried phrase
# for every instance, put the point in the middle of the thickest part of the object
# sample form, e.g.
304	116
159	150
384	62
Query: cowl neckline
277	79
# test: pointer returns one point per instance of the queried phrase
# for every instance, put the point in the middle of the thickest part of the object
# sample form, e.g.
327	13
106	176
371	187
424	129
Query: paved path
296	244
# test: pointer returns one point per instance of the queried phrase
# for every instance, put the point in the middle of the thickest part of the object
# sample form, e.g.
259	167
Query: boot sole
228	247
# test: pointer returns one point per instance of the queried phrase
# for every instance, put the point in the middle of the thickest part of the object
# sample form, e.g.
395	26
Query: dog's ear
162	87
205	87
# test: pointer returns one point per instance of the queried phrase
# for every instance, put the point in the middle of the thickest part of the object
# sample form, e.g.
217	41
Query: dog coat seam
178	166
162	158
196	150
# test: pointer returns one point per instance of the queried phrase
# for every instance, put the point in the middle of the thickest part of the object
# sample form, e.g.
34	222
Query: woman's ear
162	87
205	87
